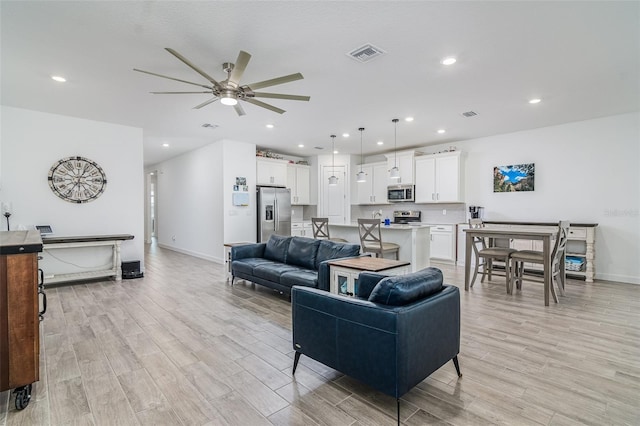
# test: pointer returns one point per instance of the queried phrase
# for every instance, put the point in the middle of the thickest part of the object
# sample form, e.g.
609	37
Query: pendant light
333	179
361	176
394	173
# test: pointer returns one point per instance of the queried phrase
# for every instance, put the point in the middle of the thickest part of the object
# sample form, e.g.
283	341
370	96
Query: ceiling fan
229	91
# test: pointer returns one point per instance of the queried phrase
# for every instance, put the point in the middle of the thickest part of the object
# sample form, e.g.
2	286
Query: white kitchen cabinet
405	162
298	182
270	171
439	178
374	190
301	229
443	242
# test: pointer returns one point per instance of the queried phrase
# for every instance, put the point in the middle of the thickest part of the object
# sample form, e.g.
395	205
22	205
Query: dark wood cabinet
19	309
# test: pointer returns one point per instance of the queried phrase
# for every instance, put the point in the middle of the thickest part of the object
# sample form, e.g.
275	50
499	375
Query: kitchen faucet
376	213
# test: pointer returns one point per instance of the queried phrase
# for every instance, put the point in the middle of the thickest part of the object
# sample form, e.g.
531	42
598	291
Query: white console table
57	243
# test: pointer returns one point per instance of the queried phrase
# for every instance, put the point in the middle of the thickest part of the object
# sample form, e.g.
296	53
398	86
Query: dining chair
320	227
485	253
533	256
371	239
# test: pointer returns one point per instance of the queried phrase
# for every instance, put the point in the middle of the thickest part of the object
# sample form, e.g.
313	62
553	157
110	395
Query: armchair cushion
302	252
276	248
404	289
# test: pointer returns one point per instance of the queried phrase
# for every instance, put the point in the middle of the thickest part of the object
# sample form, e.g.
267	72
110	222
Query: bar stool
320	227
371	239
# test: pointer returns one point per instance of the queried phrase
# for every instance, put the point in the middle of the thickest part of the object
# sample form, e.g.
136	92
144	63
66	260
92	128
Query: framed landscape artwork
514	178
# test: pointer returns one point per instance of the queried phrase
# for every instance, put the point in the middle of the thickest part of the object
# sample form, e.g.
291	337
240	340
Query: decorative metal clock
77	179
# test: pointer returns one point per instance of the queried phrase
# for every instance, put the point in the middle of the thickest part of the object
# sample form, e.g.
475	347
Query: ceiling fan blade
264	105
192	66
281	96
172	78
239	109
205	103
275	81
175	93
238	68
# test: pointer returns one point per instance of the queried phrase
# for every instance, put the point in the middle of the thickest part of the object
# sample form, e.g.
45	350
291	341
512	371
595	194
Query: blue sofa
393	335
283	262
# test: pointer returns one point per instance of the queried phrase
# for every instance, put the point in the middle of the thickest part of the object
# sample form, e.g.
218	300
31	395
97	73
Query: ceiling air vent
469	114
366	53
318	147
210	126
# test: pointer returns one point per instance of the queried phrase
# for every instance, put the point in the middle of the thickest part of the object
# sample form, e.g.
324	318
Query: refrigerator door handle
276	215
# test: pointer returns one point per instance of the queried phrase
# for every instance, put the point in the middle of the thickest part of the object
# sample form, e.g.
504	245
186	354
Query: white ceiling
580	58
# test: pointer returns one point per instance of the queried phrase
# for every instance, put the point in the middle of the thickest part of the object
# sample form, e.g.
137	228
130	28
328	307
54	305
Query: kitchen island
414	240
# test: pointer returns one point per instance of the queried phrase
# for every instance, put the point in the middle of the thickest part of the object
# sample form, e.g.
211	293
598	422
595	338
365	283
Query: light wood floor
181	346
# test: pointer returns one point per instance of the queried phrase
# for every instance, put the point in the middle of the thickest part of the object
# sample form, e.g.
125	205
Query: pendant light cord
395	142
361	160
333	154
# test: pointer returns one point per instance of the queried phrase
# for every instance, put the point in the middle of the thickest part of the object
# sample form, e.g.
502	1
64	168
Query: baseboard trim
618	278
214	259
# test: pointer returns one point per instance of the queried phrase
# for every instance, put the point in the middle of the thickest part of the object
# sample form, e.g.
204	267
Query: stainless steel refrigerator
274	212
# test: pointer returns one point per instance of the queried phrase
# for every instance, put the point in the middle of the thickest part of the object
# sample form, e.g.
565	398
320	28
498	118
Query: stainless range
406	216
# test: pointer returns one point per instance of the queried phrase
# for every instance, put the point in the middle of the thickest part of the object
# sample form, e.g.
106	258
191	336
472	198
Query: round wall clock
77	179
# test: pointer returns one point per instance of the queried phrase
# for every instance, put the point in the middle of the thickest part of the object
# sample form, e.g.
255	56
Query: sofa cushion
273	271
334	250
302	252
246	265
304	277
404	289
276	248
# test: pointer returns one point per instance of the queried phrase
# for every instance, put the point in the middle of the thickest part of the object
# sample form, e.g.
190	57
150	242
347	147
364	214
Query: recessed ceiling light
270	126
345	135
441	131
408	119
58	78
535	101
448	61
335	152
165	145
300	145
380	143
151	173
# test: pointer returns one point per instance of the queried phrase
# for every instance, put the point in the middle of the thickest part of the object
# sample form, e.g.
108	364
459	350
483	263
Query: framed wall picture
514	178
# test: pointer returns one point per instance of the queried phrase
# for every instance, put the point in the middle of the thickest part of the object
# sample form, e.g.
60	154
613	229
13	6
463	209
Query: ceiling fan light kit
229	91
394	173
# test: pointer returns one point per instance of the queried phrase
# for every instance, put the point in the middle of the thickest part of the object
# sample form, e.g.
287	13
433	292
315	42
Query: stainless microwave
400	193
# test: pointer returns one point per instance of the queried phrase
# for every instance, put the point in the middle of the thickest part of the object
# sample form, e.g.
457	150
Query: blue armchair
393	335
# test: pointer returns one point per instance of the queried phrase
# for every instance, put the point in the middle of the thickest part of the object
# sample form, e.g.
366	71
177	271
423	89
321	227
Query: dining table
546	236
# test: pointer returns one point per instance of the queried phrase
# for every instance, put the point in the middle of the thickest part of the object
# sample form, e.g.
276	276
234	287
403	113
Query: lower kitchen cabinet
443	242
301	229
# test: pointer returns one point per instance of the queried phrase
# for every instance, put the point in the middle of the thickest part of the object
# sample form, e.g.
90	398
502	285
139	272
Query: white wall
195	212
586	171
33	141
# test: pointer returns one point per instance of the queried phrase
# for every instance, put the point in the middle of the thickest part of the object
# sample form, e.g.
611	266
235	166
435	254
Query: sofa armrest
324	272
248	251
366	282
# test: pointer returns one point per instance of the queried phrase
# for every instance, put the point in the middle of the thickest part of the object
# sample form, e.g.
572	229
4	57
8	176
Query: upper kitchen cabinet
439	178
270	171
405	162
298	182
374	190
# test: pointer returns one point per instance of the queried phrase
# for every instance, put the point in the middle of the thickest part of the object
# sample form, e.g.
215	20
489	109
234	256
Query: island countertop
414	240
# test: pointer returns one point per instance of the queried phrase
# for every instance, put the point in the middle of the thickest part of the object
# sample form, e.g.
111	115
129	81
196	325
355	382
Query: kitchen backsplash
434	214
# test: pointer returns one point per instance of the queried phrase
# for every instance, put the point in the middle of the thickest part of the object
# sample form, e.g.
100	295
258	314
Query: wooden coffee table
345	272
